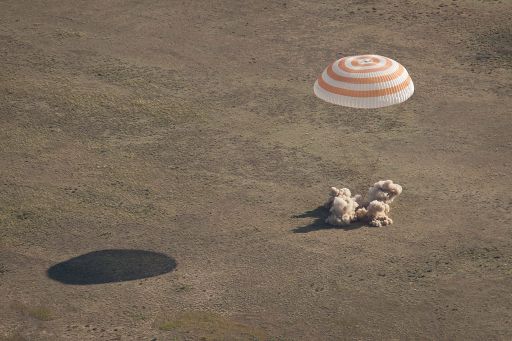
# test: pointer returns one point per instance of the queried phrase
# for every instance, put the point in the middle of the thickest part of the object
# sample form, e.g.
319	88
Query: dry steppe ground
188	131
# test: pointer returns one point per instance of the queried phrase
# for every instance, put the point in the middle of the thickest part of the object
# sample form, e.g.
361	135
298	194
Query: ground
189	130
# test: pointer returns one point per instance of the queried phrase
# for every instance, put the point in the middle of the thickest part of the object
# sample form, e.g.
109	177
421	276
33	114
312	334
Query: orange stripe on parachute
341	65
368	93
369	80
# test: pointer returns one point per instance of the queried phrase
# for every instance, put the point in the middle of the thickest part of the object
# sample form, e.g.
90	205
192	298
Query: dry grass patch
67	33
210	326
12	337
38	312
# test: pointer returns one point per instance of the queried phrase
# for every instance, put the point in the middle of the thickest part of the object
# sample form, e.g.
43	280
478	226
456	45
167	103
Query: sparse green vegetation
168	325
39	312
12	337
210	326
183	287
138	316
67	33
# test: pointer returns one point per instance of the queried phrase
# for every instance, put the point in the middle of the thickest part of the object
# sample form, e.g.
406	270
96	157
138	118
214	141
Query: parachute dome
366	81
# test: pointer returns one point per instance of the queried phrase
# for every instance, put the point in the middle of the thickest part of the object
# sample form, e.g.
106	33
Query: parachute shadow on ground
110	266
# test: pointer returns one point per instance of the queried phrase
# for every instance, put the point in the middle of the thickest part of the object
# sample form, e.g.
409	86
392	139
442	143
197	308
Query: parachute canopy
366	81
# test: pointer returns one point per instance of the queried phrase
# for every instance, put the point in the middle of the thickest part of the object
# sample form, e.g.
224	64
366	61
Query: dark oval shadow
109	266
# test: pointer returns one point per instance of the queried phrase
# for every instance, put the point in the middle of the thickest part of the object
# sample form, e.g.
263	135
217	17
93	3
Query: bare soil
189	130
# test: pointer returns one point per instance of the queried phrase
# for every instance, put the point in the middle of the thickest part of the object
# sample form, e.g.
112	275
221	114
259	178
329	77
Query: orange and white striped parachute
367	81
